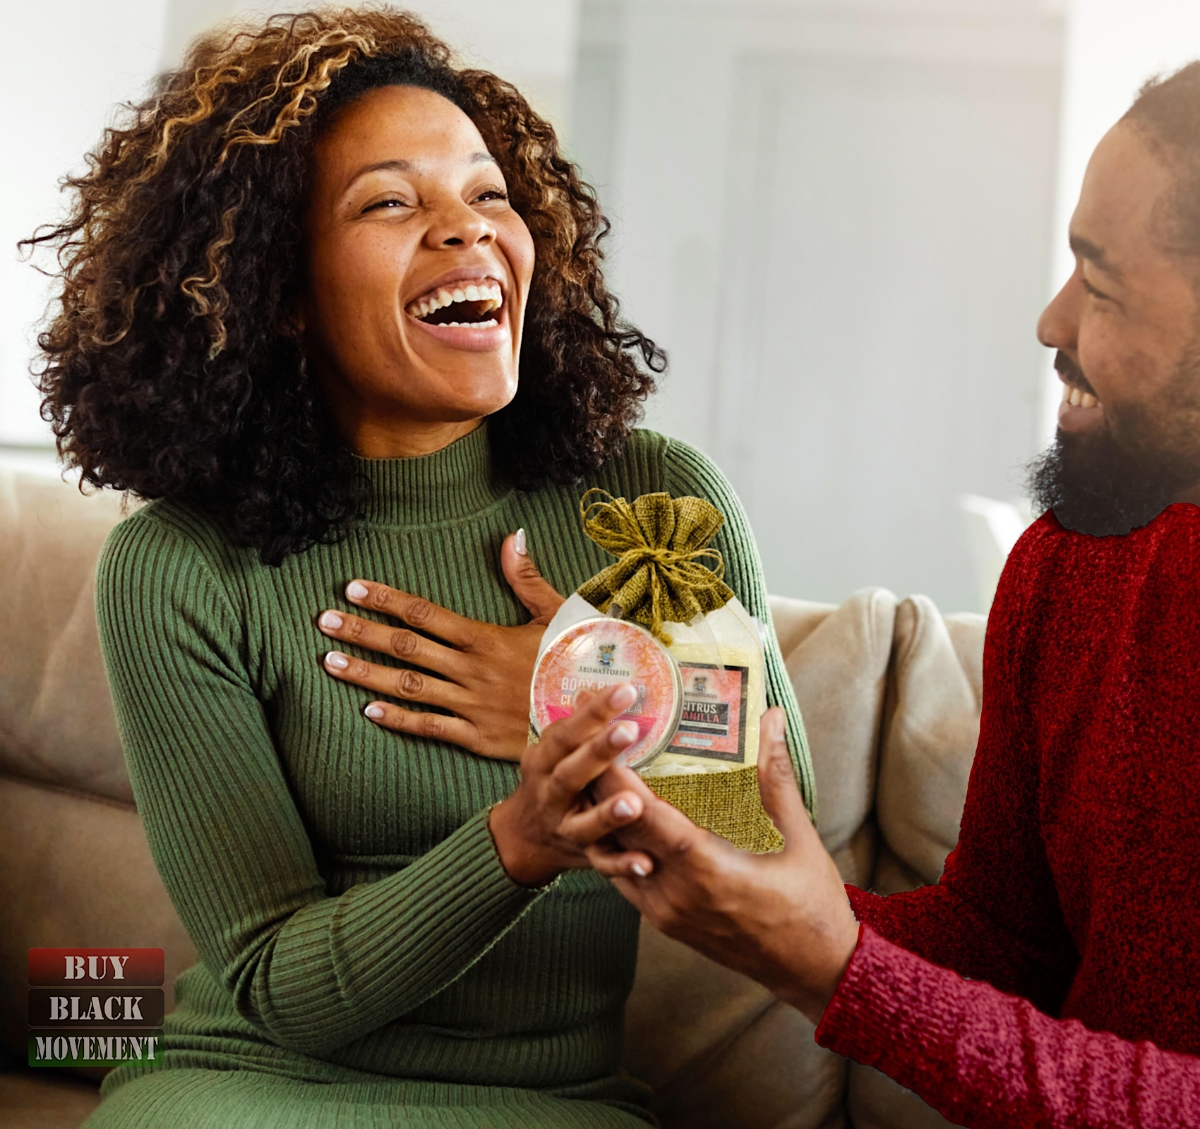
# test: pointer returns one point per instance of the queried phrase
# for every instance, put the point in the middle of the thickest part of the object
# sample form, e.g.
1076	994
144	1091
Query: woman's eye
492	194
390	202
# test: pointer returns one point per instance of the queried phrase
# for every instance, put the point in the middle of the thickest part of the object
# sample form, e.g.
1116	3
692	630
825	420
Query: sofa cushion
77	872
876	1102
720	1050
837	658
56	717
706	1038
930	729
45	1099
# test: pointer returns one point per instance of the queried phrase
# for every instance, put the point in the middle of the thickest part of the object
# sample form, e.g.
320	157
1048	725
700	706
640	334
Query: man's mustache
1072	373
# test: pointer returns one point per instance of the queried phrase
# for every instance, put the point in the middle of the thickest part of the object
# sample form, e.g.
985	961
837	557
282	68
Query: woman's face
417	273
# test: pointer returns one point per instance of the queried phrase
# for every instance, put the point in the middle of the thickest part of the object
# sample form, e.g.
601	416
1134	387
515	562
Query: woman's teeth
1078	398
484	298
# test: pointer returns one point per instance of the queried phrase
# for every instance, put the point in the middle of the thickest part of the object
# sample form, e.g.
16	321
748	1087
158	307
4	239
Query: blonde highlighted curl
167	366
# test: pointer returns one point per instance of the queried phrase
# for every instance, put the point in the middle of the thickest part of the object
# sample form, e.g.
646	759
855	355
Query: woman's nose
456	224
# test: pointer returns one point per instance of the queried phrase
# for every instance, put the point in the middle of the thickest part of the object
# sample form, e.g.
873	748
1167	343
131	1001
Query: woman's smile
464	311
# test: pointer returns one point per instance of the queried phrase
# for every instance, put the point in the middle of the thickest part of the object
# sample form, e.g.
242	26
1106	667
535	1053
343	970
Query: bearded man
1052	976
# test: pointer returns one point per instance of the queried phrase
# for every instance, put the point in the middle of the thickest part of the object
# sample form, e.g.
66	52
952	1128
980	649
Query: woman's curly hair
168	367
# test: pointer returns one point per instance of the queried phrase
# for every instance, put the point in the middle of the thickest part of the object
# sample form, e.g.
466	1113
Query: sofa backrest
76	867
889	692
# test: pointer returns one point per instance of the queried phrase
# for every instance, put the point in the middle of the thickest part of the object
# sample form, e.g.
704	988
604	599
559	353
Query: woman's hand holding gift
550	822
479	672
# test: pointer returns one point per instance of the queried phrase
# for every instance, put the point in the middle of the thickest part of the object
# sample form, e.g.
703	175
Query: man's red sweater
1071	904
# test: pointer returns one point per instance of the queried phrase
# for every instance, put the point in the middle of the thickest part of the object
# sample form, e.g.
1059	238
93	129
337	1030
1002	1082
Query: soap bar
723	670
598	653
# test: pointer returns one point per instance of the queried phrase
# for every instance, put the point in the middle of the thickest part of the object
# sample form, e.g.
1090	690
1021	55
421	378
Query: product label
600	653
714	710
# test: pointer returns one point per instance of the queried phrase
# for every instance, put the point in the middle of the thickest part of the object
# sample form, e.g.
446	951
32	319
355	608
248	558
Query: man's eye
1090	289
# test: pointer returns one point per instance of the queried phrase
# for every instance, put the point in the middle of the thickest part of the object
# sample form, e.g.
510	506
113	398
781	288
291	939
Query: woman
297	292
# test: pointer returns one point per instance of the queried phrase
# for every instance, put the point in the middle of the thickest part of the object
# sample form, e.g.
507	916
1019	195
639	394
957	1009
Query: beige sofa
890	695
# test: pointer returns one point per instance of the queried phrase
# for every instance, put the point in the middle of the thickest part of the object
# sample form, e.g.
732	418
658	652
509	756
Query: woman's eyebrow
397	164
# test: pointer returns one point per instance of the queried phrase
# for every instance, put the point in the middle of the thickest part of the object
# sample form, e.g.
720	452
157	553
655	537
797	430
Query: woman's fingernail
356	591
639	870
623	733
374	712
519	543
331	620
623	696
623	809
337	660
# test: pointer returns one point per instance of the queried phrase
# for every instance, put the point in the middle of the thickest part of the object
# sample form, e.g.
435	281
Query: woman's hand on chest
477	671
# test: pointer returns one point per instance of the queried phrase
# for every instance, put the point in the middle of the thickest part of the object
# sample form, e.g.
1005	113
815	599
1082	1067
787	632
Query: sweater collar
447	485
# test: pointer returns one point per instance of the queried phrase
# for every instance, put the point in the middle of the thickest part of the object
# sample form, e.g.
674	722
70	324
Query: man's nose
1058	327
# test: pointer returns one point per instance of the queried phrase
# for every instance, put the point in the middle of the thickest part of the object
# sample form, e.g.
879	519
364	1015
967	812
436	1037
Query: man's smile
1079	410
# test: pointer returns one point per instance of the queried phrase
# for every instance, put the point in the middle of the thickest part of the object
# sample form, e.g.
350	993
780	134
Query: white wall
65	66
529	42
838	219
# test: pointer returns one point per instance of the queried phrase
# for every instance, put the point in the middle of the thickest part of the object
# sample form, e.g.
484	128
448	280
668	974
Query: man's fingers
536	593
396	641
777	780
416	611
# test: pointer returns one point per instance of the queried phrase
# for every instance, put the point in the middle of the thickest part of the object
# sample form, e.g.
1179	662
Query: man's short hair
1167	111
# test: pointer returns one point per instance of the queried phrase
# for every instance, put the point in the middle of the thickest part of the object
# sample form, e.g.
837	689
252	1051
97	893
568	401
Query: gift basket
663	618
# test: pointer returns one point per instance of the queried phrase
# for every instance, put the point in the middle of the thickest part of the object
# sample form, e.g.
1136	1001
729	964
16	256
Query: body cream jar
601	652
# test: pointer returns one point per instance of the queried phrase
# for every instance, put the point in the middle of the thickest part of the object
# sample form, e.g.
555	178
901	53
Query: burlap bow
660	542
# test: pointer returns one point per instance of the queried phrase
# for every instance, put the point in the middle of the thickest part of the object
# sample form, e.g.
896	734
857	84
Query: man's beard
1097	485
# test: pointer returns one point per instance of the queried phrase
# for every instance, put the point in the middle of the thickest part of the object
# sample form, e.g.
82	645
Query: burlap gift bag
667	579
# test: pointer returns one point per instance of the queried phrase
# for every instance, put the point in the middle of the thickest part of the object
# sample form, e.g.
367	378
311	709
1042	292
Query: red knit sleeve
990	1060
995	914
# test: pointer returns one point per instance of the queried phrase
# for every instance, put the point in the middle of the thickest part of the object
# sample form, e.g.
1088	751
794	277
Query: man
1052	977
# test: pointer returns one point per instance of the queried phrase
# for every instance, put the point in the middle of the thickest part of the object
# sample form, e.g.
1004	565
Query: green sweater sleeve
688	472
313	972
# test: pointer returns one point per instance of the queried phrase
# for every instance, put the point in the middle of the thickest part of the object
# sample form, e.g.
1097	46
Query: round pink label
598	654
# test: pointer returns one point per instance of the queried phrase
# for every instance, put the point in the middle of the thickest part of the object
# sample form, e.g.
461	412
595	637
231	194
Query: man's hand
782	919
548	823
479	672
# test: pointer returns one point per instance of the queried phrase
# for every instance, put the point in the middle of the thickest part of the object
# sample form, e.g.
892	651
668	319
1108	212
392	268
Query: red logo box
109	968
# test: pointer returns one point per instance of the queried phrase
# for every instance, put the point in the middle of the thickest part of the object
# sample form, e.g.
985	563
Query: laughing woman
298	287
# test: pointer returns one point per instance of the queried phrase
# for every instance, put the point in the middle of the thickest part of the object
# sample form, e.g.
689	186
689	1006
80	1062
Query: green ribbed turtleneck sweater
339	881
